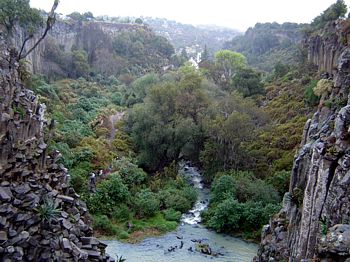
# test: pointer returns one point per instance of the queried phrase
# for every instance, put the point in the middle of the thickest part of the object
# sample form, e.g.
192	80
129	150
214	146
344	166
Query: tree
81	66
76	16
19	12
335	11
139	21
205	54
184	53
88	16
248	82
227	64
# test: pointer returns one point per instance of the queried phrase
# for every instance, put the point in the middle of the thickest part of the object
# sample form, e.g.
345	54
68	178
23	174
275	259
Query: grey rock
4	196
3	236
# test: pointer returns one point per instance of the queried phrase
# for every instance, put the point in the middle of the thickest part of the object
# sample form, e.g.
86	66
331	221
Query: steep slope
266	44
314	220
82	48
41	217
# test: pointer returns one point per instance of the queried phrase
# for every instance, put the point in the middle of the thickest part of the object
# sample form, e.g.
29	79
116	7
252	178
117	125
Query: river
180	245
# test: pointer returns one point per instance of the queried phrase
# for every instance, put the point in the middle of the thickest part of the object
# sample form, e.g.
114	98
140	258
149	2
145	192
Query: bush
222	188
240	203
102	223
146	203
172	198
231	215
227	216
323	87
172	215
121	213
109	194
310	96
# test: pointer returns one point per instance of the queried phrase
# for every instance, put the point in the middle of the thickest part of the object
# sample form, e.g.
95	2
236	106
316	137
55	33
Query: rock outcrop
314	222
41	217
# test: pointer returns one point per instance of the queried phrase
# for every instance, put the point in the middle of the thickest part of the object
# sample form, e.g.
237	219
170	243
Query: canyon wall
314	223
41	217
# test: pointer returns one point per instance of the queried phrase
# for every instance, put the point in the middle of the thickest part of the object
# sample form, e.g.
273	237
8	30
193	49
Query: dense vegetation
121	113
129	52
267	44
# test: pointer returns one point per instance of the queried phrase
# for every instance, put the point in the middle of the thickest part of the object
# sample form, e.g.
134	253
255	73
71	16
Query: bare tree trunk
51	19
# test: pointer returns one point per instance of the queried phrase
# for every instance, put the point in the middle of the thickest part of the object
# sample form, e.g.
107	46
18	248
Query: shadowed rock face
31	179
314	221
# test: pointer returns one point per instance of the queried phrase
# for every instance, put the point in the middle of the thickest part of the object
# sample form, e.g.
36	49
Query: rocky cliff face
87	35
314	222
41	217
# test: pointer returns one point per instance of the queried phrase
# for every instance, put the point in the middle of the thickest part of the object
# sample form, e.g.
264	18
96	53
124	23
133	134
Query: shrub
146	203
172	215
109	194
121	213
173	199
310	96
226	216
102	223
323	87
222	188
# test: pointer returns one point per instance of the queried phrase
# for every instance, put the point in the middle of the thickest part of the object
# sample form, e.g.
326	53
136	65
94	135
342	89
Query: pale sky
237	14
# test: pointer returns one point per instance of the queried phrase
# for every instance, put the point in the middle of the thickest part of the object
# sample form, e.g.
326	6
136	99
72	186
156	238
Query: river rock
203	248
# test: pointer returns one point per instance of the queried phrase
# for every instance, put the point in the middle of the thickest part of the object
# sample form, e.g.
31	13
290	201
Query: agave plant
48	210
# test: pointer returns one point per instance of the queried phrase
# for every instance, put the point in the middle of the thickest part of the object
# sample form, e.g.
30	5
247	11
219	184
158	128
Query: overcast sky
238	14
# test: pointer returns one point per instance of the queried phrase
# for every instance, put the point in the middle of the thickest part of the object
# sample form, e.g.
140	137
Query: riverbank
135	231
183	243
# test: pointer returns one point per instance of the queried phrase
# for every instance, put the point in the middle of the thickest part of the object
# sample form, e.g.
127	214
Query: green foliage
266	43
280	70
231	124
13	12
142	46
227	64
172	215
167	124
48	210
332	13
102	223
146	203
248	82
110	192
121	213
323	87
131	174
310	96
81	67
176	200
324	225
240	202
223	187
280	181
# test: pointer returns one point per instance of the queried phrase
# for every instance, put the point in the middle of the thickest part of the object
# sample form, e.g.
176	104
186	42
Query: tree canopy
19	12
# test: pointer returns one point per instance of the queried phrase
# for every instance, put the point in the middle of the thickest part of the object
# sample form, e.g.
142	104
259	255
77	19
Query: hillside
266	44
193	38
75	48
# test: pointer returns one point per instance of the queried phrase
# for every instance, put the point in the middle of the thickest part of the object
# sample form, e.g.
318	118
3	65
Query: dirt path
113	120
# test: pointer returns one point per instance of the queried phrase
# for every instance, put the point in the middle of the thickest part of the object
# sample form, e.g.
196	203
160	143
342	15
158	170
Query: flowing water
180	245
